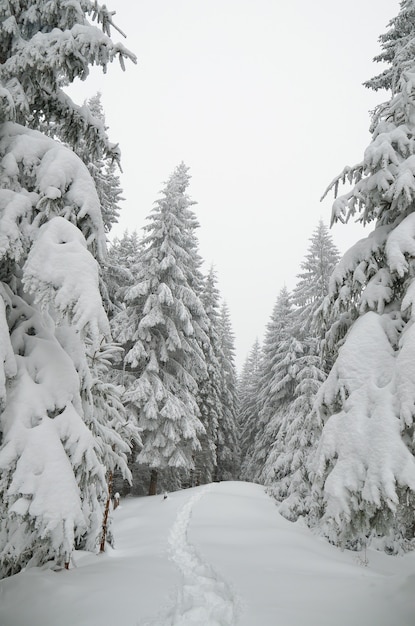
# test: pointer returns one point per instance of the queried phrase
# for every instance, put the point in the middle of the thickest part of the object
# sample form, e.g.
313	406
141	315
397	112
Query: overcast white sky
263	99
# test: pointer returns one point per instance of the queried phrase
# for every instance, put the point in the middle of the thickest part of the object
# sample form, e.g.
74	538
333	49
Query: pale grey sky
263	99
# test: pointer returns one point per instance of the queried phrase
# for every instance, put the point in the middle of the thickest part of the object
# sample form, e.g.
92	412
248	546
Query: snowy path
177	562
203	597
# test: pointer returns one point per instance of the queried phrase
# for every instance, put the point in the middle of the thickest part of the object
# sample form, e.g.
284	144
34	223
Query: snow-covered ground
217	555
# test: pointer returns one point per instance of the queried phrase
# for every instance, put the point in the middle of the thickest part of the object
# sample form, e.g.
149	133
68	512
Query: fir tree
248	416
365	469
228	457
297	440
119	269
397	50
162	330
288	355
210	388
269	397
313	284
290	458
53	423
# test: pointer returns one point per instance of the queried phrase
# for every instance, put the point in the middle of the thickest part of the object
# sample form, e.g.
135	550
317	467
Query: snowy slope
218	555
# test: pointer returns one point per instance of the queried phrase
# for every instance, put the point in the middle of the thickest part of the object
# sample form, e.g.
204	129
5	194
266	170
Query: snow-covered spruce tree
298	437
206	334
209	392
365	468
162	329
118	272
52	463
277	330
119	269
288	354
313	285
228	456
248	389
302	426
397	50
125	252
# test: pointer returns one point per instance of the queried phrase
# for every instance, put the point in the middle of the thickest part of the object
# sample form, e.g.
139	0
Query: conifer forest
118	375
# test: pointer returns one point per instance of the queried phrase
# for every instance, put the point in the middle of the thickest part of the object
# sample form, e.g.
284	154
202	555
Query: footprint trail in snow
204	599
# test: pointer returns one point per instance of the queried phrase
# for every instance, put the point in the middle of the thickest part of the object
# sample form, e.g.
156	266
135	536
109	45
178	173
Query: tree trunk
106	514
152	490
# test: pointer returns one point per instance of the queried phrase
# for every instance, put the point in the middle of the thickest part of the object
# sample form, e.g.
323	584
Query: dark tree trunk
106	514
152	490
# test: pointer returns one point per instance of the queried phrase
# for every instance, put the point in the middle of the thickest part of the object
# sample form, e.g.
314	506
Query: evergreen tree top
314	279
279	318
398	49
227	336
210	296
179	180
384	182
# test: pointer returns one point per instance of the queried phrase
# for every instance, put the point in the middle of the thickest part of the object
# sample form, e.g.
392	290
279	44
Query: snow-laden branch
59	246
40	178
